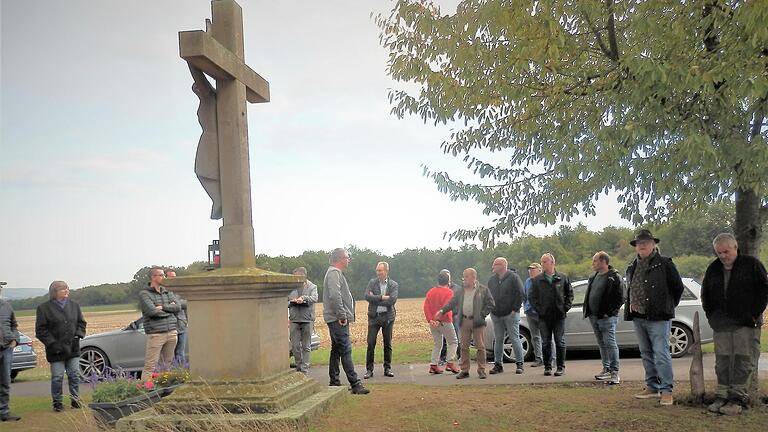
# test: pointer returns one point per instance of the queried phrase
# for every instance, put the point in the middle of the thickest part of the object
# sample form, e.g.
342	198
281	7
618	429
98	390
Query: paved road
576	371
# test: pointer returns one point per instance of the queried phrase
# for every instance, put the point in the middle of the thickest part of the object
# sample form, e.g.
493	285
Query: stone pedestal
238	354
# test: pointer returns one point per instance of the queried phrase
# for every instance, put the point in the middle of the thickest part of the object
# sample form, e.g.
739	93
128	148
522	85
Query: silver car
579	334
121	350
24	356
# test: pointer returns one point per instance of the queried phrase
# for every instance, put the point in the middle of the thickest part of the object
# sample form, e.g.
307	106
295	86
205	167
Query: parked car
579	334
122	350
24	356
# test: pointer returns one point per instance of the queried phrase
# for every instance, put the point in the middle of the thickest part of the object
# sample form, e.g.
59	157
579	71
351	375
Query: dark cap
643	234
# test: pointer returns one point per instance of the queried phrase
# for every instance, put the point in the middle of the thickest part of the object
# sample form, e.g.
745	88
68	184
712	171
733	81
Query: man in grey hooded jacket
338	312
301	313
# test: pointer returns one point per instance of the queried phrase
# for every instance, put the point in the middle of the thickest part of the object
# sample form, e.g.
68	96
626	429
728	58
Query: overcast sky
99	130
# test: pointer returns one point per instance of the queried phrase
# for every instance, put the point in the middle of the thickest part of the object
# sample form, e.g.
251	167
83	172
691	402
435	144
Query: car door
129	347
578	330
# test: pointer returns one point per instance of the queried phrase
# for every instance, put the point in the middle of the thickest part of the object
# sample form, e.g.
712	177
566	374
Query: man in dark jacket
507	291
182	322
9	338
604	297
552	296
381	294
59	325
655	288
474	303
159	307
734	294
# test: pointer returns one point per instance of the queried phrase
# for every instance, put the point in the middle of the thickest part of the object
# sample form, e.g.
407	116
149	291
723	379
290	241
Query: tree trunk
750	218
697	364
748	228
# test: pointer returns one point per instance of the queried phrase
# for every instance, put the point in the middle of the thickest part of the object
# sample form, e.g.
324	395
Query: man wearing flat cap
655	288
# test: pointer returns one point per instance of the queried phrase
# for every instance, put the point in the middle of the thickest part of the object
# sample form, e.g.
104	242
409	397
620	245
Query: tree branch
612	31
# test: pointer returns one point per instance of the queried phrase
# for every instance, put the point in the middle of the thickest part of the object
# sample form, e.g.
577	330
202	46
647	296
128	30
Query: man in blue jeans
605	294
506	287
9	338
338	312
655	288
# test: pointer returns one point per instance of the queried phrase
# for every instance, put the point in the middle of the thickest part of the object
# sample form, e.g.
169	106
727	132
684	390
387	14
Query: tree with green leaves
663	102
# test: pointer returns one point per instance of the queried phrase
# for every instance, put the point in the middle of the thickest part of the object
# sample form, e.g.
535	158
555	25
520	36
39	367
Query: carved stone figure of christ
207	157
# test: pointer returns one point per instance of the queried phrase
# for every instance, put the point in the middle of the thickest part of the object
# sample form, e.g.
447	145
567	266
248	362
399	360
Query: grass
402	353
89	309
710	347
528	408
36	374
408	407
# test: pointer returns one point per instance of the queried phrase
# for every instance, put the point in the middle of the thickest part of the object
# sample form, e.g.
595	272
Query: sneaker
359	390
58	408
614	379
560	371
9	417
335	383
435	369
666	399
482	374
75	404
731	409
452	367
537	363
389	373
519	369
462	375
604	375
547	371
715	406
647	394
368	374
497	368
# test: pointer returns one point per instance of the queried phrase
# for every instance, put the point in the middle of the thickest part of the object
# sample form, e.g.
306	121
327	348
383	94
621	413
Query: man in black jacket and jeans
551	296
655	289
9	338
507	291
605	294
381	294
734	294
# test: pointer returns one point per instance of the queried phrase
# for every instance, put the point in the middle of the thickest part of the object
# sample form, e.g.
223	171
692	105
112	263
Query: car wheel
93	362
525	339
680	339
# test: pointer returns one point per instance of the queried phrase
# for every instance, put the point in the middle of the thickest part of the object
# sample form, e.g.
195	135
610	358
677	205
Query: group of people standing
734	295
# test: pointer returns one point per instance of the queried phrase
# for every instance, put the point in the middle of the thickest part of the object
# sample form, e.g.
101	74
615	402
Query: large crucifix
222	162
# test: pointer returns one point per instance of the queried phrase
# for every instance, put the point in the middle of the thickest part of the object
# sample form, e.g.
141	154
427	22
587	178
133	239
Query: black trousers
380	322
341	351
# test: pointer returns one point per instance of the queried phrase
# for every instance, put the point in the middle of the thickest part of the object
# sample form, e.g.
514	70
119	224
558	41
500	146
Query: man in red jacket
442	326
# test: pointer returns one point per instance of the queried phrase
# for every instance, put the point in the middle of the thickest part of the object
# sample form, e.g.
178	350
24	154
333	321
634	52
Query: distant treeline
688	239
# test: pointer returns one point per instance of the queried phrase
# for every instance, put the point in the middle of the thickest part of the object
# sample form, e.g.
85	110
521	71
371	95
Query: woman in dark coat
59	325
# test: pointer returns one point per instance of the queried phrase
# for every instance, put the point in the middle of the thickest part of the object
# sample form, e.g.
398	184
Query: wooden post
697	364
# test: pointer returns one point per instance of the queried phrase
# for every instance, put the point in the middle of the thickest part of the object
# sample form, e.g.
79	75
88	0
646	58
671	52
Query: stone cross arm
201	50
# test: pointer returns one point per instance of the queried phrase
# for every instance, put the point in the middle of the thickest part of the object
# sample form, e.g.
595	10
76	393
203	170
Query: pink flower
149	385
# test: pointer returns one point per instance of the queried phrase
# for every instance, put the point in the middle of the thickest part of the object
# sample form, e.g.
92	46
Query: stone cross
222	160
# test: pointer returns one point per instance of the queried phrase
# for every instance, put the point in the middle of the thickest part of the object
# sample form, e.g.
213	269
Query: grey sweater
303	312
338	303
8	327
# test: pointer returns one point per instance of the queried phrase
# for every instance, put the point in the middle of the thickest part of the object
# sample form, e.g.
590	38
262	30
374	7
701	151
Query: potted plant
167	381
118	397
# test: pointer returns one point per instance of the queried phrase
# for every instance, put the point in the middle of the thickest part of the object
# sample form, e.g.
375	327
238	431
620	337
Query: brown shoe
731	409
452	367
647	394
462	375
435	369
666	399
